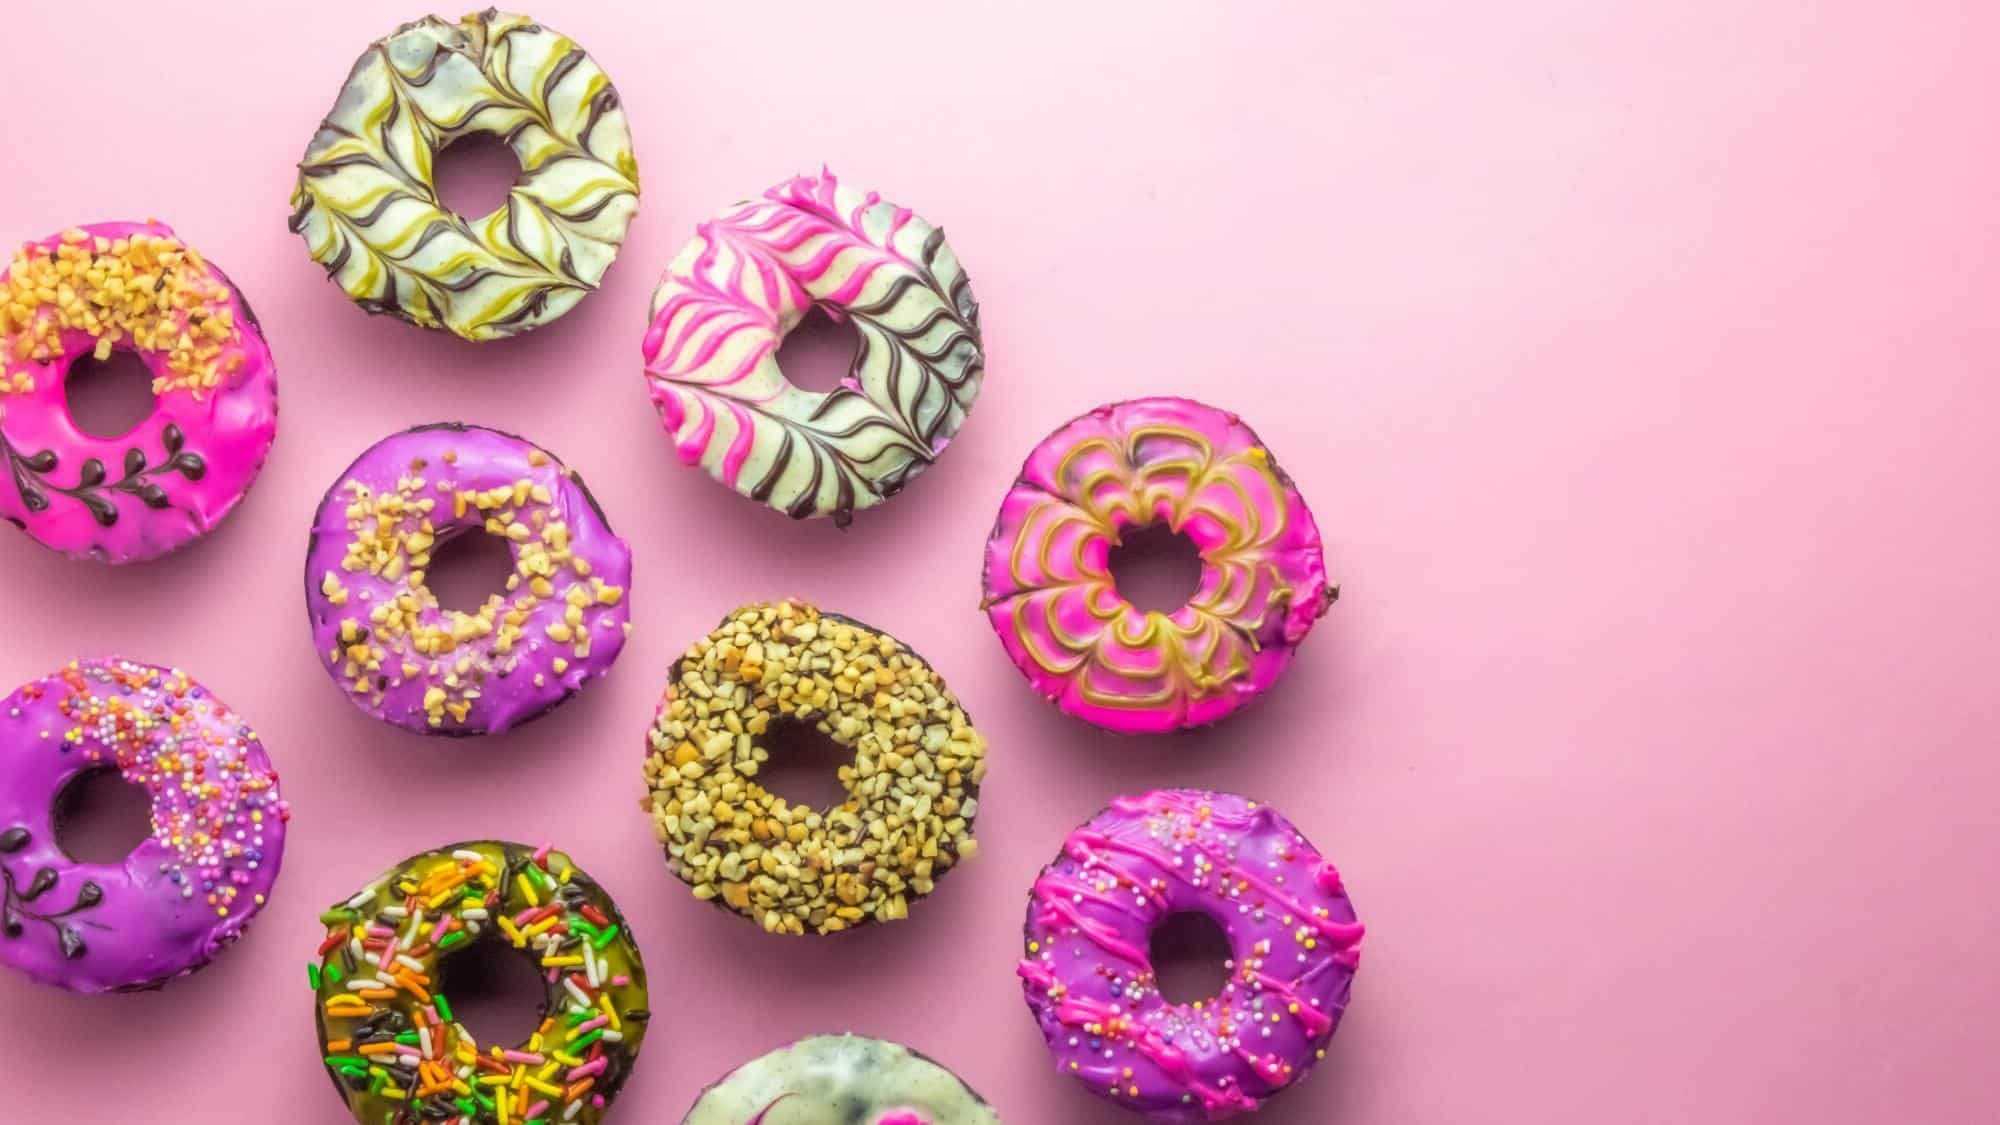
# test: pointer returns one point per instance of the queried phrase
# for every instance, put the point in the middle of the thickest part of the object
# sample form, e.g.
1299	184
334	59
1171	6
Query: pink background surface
1639	365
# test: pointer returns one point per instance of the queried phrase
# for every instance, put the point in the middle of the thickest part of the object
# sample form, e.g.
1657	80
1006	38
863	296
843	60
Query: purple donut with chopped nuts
400	656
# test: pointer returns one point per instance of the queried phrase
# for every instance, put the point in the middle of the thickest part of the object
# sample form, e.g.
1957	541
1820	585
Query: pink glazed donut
96	289
185	892
1050	593
1294	944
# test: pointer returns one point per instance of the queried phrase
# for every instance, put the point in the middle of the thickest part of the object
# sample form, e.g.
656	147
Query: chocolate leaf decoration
135	461
72	943
88	895
154	495
14	839
172	438
90	474
40	462
101	509
189	465
10	920
39	885
33	500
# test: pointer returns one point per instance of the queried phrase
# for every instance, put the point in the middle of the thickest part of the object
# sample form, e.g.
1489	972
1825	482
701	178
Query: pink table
1640	368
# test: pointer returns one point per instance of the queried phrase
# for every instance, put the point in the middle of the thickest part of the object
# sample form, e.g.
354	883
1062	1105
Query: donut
186	891
1089	979
912	792
403	658
1050	595
748	277
841	1080
105	287
388	1036
369	211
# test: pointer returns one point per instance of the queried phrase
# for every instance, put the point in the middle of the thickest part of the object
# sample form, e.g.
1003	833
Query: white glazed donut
841	1080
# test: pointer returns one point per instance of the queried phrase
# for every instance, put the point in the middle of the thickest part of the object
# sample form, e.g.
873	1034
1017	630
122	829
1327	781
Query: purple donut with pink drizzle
560	621
1294	944
136	287
1200	471
189	889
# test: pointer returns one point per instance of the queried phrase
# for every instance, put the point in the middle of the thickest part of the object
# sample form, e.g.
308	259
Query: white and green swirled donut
369	211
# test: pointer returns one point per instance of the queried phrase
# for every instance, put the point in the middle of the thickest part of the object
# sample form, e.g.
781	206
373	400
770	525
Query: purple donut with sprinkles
189	889
1294	944
561	619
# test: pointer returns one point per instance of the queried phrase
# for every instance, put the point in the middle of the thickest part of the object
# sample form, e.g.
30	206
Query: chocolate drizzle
30	472
15	909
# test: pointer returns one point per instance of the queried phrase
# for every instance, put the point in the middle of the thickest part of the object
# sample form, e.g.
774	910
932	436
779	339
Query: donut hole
494	991
1191	957
474	174
108	398
804	765
100	817
467	569
1156	568
819	352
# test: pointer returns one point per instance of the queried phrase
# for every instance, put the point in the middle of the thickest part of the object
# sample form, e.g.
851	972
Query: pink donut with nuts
1050	595
135	287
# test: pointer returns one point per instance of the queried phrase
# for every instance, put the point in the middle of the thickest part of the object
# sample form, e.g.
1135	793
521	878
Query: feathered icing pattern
369	211
747	278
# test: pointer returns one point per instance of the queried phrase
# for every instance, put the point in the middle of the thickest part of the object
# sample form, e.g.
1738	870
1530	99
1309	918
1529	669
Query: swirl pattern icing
105	287
1090	982
560	621
1052	600
841	1080
368	208
391	1042
189	889
748	277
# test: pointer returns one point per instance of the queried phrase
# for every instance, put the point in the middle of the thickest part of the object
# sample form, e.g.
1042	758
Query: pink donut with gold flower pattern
1052	599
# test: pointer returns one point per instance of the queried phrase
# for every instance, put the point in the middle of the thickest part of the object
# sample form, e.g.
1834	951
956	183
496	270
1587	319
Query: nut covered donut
841	1080
747	279
400	656
1294	944
189	889
135	287
1200	471
912	791
369	210
390	1039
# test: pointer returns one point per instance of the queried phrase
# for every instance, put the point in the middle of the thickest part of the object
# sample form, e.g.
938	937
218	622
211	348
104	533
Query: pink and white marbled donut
133	287
1052	599
748	277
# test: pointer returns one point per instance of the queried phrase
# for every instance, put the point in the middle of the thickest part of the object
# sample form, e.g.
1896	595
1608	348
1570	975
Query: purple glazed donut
134	287
1200	471
1294	944
186	891
402	657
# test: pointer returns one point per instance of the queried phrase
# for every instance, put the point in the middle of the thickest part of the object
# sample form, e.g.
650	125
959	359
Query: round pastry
748	278
135	287
1294	944
400	656
1200	471
369	210
189	889
391	1042
841	1080
912	792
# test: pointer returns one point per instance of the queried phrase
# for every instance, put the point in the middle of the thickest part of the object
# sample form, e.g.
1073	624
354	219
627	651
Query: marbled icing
1089	979
1052	599
561	619
368	207
841	1080
748	277
189	889
135	287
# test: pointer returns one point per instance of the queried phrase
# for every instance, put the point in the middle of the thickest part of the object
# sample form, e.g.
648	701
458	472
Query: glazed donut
1089	979
747	279
390	1040
1200	471
369	211
136	287
189	889
402	657
912	792
841	1080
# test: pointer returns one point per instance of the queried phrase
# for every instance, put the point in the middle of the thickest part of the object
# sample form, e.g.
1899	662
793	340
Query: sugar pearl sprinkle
146	291
911	790
389	1035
